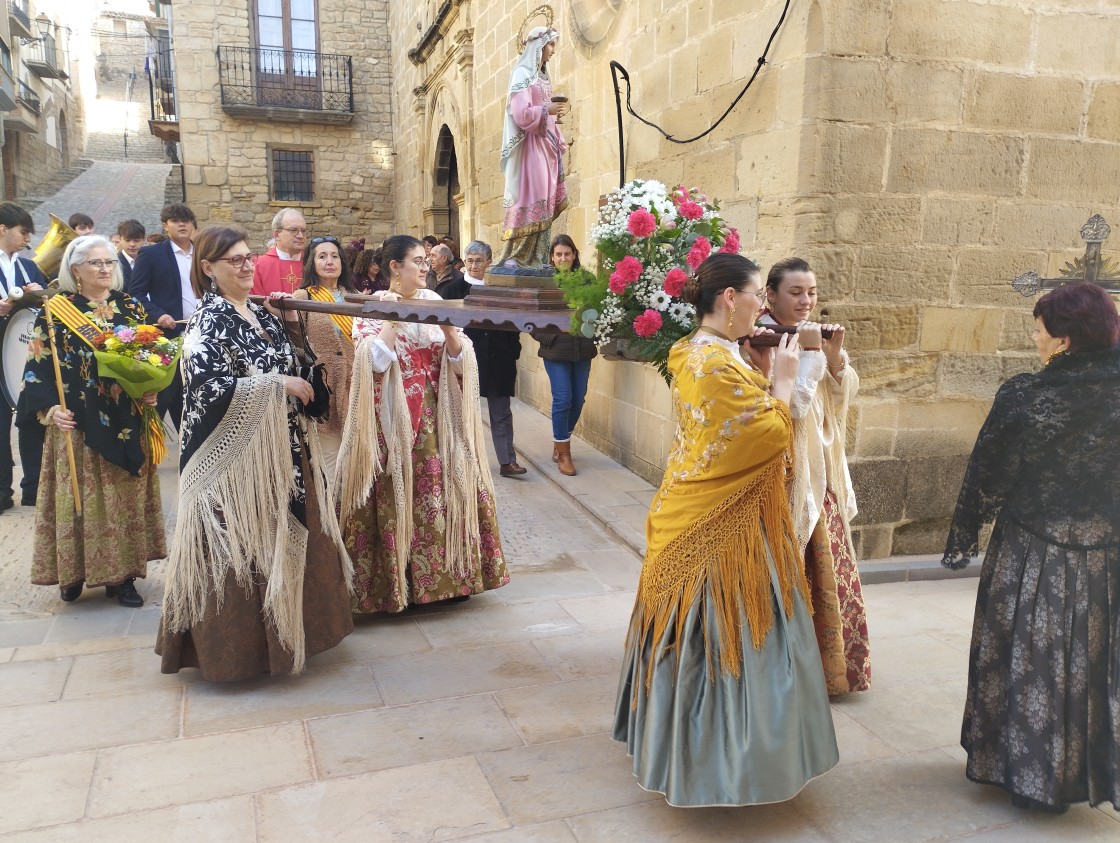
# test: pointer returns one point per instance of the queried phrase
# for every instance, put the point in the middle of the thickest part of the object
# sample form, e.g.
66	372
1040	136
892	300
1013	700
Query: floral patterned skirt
839	615
1042	714
119	531
370	538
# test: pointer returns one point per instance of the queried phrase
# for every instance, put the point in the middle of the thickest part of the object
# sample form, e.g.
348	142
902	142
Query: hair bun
691	292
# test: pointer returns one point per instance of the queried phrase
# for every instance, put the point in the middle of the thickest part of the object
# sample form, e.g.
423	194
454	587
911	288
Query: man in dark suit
131	235
161	280
16	229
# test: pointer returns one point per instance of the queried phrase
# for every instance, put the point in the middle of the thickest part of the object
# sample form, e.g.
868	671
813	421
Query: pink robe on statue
540	190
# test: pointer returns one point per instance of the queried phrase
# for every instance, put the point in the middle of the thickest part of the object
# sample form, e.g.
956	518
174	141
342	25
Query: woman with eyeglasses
121	525
258	577
821	495
416	496
328	338
722	700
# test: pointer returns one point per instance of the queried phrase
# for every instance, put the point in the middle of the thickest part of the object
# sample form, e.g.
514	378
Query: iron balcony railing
161	84
270	78
45	59
28	97
18	11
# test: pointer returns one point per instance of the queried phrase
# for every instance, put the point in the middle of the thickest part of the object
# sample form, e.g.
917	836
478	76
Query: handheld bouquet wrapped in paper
650	240
141	359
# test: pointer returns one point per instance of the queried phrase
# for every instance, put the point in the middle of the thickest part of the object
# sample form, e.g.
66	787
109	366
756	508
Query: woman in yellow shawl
722	699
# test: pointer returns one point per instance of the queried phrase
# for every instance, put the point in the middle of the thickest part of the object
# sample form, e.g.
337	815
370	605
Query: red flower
699	252
690	210
648	323
629	269
731	244
641	223
616	285
675	280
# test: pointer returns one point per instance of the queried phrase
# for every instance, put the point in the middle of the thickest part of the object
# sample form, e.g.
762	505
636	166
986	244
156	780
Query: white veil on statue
527	70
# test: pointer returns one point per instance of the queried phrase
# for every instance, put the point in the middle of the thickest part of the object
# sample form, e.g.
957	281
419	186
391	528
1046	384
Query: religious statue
532	150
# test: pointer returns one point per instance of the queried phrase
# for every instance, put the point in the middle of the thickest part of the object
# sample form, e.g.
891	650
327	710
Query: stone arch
446	210
445	182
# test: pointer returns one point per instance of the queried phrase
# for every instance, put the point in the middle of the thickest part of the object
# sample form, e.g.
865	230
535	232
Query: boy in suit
131	234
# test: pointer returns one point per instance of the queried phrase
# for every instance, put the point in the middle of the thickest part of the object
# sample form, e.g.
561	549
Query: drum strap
345	323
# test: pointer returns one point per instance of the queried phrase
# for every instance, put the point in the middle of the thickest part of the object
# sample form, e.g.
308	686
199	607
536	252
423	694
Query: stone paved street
485	721
109	191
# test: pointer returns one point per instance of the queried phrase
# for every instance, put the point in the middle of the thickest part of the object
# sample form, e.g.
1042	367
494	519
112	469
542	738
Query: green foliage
655	349
582	290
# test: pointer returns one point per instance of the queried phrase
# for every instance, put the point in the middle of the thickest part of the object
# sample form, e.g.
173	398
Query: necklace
715	333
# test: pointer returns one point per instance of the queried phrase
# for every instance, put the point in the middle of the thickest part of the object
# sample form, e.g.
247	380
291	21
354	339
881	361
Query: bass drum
15	334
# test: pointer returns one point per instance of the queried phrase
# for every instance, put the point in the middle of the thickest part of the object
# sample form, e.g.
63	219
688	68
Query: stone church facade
920	153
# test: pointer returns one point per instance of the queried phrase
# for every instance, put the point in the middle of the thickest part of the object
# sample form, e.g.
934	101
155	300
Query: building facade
282	103
920	153
42	125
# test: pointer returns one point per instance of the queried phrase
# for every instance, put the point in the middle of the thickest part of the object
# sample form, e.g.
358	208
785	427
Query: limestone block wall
226	159
920	153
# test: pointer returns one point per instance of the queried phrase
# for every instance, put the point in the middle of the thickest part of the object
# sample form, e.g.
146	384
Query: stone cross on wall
1091	268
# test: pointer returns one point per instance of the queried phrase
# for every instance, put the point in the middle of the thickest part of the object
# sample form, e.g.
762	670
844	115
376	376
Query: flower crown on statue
523	36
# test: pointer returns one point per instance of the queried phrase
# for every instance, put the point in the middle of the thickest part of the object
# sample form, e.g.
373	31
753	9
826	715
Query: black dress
1042	714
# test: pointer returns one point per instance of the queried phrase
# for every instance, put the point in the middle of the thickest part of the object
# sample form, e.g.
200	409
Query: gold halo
539	12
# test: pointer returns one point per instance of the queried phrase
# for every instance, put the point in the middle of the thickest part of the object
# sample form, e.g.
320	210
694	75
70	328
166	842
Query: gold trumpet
48	254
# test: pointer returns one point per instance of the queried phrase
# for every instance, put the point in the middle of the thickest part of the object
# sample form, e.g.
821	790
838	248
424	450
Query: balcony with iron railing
287	85
45	59
19	20
164	122
25	116
7	90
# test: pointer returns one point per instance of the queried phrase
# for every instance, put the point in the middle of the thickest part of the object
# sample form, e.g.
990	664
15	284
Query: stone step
111	146
34	195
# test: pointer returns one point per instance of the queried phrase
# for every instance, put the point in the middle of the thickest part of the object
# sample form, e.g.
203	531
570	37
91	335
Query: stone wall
226	159
921	153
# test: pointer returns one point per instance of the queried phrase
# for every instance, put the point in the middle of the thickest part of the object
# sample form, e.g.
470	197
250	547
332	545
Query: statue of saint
532	147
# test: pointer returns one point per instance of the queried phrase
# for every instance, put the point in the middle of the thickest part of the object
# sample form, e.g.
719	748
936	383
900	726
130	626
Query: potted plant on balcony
650	239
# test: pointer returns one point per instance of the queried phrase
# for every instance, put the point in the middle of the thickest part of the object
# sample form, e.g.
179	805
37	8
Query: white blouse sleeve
381	356
809	373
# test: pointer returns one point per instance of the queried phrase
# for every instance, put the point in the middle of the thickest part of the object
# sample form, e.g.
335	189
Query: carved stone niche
592	22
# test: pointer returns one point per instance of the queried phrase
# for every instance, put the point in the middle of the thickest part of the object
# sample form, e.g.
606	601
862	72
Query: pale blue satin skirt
713	740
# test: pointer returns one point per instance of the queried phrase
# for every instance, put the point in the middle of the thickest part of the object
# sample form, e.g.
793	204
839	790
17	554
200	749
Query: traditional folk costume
417	499
328	338
277	272
1042	713
722	700
532	150
824	504
121	525
258	577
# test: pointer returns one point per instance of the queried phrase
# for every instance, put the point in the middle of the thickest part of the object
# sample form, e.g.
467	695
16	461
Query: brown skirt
119	531
236	642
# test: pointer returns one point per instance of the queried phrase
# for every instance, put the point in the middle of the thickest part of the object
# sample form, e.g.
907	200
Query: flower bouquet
141	359
650	240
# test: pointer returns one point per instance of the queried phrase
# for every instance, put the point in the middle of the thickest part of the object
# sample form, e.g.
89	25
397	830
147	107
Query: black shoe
511	469
125	593
70	593
26	501
6	503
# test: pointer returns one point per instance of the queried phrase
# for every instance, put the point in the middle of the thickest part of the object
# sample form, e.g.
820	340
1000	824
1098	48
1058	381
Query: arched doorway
446	191
63	140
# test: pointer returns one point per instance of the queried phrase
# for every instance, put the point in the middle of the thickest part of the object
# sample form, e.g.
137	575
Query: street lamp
44	25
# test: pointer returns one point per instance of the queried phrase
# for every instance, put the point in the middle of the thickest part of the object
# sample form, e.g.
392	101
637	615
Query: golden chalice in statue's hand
561	108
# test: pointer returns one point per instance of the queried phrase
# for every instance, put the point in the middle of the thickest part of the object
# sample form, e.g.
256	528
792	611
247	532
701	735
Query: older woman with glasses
416	495
121	524
257	578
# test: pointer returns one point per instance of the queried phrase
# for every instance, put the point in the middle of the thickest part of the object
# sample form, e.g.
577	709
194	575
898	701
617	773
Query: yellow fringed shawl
722	501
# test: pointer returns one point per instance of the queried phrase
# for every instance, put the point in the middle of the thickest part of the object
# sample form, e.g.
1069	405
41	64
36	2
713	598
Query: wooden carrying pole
62	404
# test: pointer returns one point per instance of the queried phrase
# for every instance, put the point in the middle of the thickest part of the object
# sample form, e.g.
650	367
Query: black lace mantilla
1047	457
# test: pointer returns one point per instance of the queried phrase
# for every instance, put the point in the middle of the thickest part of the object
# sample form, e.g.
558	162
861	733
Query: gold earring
730	319
1058	352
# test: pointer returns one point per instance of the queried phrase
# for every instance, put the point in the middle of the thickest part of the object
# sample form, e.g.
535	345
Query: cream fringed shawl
377	417
820	419
234	515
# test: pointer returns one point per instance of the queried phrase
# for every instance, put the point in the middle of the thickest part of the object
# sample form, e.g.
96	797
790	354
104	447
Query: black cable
618	70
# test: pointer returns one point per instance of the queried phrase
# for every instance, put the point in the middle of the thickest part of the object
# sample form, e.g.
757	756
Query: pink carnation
629	269
641	223
617	284
648	323
731	244
675	280
699	252
690	210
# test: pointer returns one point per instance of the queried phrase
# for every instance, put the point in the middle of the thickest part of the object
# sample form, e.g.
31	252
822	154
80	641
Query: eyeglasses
302	232
238	261
760	294
100	264
315	241
421	262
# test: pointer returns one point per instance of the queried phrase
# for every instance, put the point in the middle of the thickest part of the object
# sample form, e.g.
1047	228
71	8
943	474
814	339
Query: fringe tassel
728	549
324	495
233	504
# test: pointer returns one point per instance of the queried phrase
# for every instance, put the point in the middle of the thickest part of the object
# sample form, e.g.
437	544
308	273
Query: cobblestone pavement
484	721
109	191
